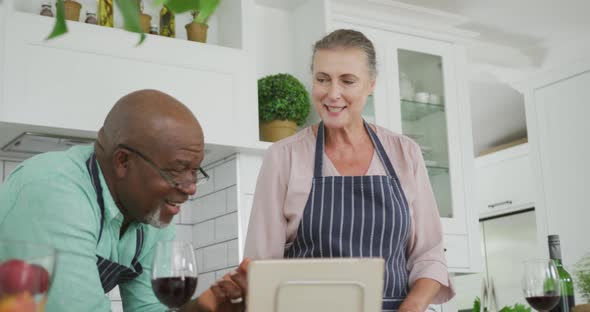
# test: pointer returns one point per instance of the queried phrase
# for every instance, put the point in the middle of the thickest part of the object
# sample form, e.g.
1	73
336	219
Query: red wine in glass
174	273
541	284
173	292
543	303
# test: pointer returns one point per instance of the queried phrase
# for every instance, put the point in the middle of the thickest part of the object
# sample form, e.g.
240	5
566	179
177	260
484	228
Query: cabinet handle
507	202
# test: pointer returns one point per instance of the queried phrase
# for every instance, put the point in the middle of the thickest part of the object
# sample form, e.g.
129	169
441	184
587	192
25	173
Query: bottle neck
555	251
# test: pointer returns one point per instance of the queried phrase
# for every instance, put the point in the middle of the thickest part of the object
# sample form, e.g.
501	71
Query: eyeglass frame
165	175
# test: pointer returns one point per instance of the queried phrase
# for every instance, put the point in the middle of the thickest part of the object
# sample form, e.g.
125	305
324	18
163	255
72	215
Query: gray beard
153	219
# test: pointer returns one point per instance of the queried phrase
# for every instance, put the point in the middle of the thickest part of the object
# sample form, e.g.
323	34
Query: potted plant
582	278
197	29
283	104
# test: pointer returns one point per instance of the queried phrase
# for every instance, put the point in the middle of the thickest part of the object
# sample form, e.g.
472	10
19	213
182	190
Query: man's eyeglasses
184	179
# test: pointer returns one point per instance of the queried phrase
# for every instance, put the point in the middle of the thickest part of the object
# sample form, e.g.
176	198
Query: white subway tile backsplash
233	256
209	187
231	199
204	233
205	281
219	274
226	227
186	212
199	256
215	257
209	207
184	233
225	174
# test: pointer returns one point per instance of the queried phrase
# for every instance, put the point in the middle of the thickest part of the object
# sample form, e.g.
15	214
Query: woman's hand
229	293
420	296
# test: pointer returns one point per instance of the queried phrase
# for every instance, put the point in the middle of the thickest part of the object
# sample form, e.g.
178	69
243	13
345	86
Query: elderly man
94	204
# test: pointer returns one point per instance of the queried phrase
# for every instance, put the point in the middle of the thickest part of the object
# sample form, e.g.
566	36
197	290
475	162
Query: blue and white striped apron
357	216
112	273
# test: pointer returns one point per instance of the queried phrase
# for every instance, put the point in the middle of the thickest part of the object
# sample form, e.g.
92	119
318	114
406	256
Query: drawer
457	251
504	184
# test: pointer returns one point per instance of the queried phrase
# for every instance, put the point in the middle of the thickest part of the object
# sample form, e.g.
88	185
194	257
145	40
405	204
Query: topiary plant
582	275
282	97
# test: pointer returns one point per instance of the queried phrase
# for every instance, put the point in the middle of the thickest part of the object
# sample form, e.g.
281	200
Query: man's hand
227	294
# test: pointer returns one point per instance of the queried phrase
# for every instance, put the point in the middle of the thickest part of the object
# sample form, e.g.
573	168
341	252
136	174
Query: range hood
35	143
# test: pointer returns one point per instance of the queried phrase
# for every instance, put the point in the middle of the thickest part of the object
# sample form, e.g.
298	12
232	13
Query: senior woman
346	188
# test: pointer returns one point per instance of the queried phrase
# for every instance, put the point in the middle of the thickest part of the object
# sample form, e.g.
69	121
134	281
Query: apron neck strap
319	151
92	166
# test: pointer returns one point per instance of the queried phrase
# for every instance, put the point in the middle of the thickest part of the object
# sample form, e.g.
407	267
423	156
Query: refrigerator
506	241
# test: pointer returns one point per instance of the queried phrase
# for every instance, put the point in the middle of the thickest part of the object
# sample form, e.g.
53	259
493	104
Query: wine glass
26	271
174	273
541	284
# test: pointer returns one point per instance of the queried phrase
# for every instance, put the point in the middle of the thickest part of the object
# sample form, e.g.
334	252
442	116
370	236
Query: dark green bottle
567	301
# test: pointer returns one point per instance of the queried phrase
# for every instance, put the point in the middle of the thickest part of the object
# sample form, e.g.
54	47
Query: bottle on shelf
567	301
46	9
167	23
91	17
105	13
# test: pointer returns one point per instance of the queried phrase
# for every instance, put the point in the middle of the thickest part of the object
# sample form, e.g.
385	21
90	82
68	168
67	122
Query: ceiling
532	27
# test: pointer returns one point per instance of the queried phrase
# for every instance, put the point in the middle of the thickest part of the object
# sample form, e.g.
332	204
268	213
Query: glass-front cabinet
417	95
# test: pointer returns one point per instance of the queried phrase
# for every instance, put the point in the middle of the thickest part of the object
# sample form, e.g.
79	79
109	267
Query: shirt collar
111	211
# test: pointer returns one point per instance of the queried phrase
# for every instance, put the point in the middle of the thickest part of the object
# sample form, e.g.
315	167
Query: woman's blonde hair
348	38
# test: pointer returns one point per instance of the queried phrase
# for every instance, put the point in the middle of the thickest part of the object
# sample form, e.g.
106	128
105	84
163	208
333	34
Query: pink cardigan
284	184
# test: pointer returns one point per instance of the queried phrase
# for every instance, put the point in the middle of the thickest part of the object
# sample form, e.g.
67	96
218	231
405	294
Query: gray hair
348	38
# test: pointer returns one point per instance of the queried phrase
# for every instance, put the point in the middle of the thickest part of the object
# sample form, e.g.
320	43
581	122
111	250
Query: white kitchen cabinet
557	111
504	181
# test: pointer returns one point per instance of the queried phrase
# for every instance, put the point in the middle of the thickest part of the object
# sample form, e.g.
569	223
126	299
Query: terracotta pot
197	32
72	10
145	21
276	130
582	308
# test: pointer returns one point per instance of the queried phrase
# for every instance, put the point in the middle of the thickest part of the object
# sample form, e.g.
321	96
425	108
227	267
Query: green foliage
205	10
60	27
515	308
476	304
130	13
582	276
282	97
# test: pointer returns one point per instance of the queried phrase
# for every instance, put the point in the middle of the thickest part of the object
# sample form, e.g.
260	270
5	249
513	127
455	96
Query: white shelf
225	26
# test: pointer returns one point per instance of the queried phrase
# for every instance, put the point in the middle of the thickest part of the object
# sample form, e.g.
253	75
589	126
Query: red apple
17	276
41	276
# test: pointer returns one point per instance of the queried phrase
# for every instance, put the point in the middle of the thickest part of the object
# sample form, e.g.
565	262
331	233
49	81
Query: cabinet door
505	185
427	109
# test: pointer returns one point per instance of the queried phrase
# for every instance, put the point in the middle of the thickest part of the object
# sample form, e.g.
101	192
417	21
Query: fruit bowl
26	270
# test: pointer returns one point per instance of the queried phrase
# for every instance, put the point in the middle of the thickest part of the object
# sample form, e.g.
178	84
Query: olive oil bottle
105	13
167	24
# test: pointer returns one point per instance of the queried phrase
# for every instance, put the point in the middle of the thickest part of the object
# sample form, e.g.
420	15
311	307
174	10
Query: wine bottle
567	301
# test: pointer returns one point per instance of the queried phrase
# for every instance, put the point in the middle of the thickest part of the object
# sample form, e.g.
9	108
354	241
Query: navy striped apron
357	216
112	273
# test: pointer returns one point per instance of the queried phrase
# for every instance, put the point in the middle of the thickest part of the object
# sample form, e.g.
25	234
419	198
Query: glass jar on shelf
154	29
91	17
46	9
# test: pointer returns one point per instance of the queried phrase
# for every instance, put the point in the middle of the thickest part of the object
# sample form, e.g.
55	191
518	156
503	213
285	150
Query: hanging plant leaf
181	6
60	27
206	9
130	11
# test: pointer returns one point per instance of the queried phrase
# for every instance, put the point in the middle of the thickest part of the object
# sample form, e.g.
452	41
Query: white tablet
309	285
